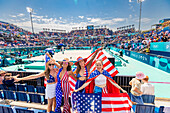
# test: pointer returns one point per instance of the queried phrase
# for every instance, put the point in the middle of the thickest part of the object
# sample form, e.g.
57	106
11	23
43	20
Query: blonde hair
47	70
99	60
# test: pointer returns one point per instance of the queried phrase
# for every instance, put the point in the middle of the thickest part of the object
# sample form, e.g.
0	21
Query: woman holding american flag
100	81
63	85
83	70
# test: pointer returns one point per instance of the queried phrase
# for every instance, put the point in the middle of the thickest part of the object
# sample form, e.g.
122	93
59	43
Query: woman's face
51	65
65	64
99	65
81	63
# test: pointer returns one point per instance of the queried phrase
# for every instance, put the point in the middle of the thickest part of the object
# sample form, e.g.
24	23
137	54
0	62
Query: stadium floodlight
140	1
30	10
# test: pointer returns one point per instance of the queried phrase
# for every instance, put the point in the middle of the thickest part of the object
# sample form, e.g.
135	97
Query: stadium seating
141	108
21	96
30	88
21	88
9	95
40	89
148	98
4	109
23	111
36	98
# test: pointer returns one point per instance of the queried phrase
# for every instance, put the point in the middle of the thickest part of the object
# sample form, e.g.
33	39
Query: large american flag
101	103
107	65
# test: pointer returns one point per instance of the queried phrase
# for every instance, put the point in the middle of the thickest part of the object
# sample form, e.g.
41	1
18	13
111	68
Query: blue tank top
85	74
51	79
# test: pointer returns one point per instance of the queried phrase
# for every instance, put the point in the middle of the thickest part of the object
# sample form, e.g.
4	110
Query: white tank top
100	80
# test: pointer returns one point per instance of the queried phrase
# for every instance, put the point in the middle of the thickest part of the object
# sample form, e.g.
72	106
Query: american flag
107	65
100	103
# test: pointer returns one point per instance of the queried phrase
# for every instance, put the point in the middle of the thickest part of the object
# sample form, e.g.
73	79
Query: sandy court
71	54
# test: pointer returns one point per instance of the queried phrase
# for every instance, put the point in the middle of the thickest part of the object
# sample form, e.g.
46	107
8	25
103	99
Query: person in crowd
2	74
147	88
63	85
83	69
51	74
9	81
136	88
100	81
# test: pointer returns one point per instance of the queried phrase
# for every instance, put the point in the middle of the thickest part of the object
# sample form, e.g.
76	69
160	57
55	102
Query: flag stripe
115	109
115	102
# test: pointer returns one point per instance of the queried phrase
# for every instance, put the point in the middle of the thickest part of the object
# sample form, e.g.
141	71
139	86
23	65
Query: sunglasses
65	62
51	64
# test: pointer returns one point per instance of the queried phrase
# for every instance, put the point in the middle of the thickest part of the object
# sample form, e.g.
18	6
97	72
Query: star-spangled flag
100	103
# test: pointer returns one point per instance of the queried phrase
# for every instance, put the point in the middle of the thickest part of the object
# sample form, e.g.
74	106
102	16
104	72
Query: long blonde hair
47	70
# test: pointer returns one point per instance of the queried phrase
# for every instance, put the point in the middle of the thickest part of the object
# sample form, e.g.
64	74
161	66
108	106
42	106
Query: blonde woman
51	74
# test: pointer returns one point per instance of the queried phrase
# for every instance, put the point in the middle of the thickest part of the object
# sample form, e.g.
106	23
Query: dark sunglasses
51	64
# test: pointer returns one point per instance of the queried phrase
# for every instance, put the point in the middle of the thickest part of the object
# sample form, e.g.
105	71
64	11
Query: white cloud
130	16
143	20
88	18
13	16
100	21
81	17
21	14
146	20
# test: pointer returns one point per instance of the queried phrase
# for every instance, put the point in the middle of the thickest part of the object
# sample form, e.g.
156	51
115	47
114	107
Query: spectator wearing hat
136	88
147	88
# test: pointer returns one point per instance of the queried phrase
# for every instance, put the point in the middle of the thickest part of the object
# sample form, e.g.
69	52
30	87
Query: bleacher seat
3	87
1	96
21	96
40	89
148	98
20	88
4	109
38	111
30	88
141	108
23	111
9	95
36	98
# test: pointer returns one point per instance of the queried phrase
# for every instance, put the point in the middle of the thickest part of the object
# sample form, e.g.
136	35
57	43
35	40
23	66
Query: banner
160	46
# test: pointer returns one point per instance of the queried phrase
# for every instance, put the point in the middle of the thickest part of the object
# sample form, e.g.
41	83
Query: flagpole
140	16
31	23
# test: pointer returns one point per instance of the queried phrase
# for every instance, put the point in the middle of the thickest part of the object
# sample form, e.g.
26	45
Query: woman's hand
17	79
75	91
124	91
53	60
99	49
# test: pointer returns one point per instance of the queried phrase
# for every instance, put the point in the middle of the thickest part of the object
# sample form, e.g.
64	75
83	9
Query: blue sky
65	14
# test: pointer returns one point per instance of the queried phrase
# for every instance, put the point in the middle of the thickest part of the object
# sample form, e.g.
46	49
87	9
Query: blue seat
148	98
23	111
30	88
6	109
3	87
36	98
1	96
53	112
40	89
20	87
20	96
141	108
9	95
